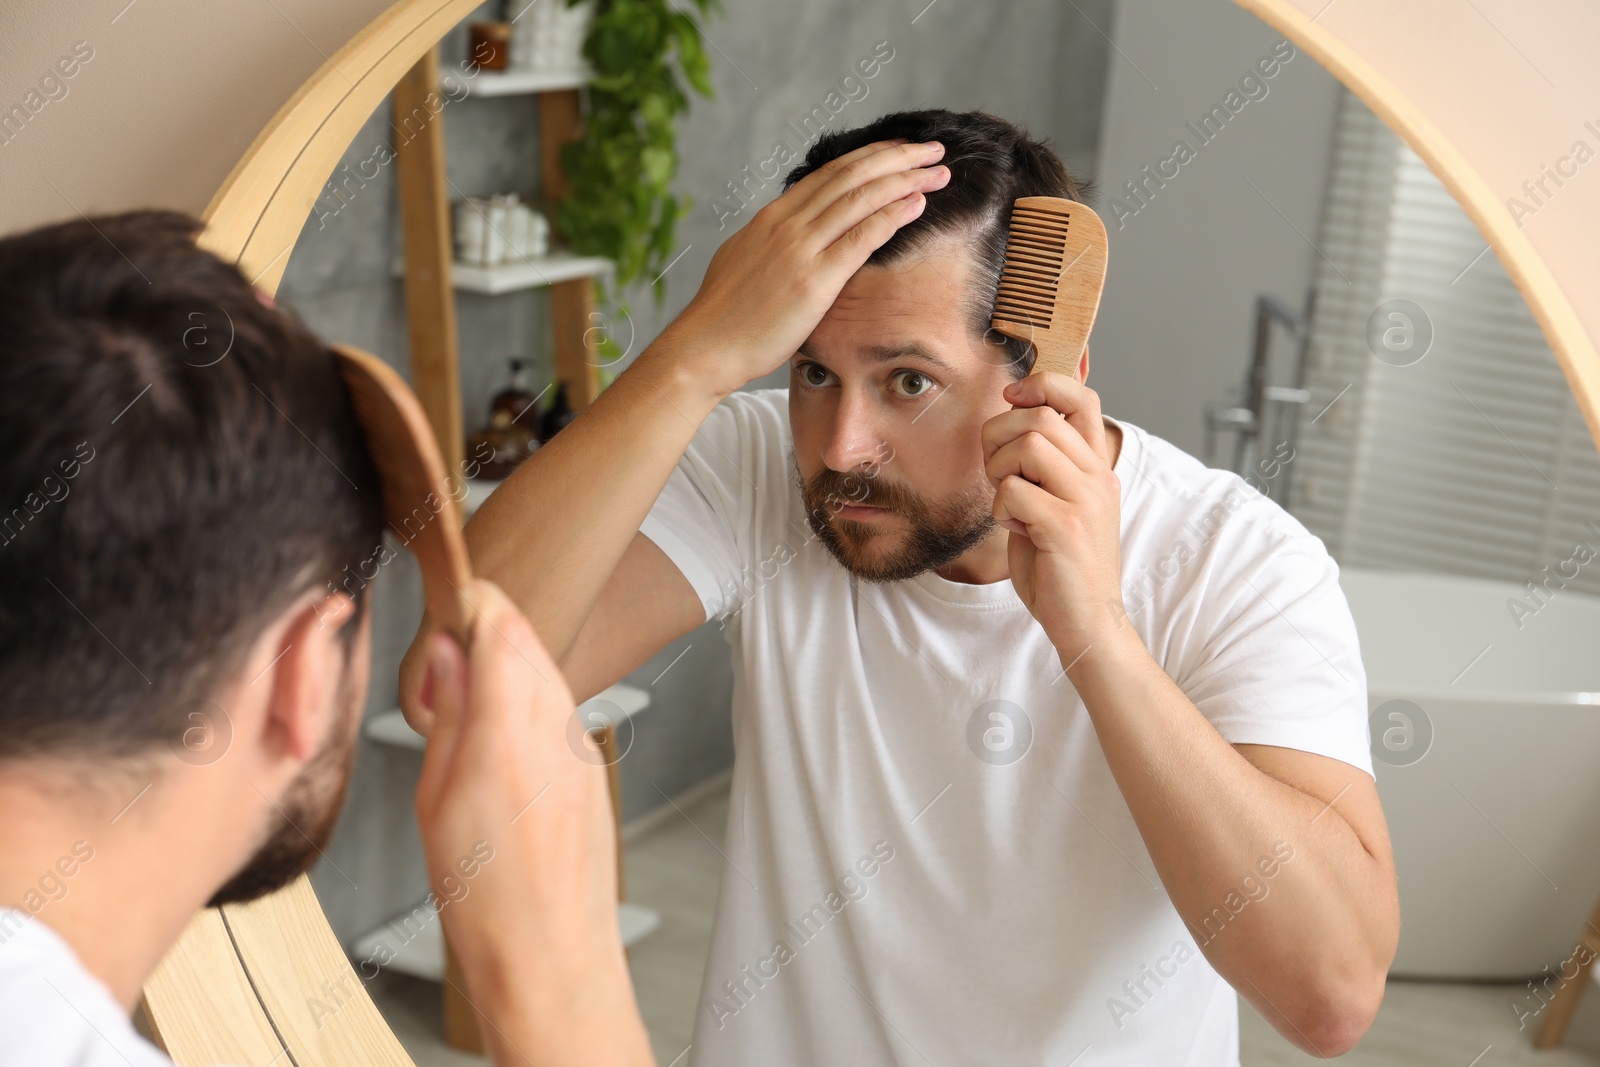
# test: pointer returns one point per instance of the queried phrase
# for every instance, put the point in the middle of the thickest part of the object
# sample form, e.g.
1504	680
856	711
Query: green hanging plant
618	203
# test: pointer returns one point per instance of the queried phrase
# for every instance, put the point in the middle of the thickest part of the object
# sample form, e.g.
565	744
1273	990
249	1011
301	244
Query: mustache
828	490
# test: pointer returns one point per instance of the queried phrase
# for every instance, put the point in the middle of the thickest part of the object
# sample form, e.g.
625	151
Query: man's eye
813	375
913	383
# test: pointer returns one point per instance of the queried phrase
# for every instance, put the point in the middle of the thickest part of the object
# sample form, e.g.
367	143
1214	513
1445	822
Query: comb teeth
1050	282
1035	247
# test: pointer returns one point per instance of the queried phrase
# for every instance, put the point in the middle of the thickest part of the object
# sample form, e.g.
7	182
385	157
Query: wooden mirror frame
1373	47
249	983
268	982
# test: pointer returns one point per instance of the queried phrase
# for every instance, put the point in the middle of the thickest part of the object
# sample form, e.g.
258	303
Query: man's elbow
1341	1020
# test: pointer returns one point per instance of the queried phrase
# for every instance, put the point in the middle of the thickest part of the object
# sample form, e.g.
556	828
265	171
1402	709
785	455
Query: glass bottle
511	434
558	415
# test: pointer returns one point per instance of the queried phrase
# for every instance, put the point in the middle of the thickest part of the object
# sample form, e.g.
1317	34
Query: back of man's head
992	163
178	463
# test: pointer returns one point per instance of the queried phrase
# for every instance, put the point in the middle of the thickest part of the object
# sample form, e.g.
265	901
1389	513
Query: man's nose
853	439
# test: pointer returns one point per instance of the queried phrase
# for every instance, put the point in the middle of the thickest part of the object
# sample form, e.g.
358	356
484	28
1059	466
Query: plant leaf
692	54
619	201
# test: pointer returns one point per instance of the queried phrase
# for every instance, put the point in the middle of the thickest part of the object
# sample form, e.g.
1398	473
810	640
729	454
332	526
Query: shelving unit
431	281
432	276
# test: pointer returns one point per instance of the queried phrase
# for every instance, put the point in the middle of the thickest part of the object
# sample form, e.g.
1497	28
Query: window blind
1473	460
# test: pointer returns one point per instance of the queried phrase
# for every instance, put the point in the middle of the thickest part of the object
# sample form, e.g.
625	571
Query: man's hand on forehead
769	285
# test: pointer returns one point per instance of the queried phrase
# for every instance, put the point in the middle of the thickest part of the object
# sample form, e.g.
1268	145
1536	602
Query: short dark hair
179	461
992	162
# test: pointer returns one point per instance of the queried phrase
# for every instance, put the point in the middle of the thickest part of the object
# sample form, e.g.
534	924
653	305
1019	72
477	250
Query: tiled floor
674	868
1426	1023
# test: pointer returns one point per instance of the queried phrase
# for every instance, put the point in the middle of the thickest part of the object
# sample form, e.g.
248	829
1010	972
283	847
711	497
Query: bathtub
1496	827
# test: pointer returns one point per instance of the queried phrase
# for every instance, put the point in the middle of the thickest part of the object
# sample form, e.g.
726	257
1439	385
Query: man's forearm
1316	940
588	1019
553	533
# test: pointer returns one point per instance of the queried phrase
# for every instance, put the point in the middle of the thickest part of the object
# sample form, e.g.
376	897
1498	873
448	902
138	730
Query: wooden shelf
413	941
390	727
530	273
515	82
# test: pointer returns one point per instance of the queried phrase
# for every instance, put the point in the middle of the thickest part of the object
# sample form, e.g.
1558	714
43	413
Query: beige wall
172	94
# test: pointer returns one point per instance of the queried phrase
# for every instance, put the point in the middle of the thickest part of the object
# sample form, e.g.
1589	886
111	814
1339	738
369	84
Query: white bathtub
1496	827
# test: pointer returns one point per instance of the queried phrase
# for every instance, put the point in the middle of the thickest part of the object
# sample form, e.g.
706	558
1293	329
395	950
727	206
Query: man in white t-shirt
1048	738
185	634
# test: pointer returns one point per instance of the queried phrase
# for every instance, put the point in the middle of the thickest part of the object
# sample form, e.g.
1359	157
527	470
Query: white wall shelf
390	727
531	273
513	82
413	941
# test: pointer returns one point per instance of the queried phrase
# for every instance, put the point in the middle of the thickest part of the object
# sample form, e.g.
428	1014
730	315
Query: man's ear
304	679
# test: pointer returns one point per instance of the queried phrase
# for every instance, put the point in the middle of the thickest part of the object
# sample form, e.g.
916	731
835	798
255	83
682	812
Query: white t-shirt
928	857
53	1012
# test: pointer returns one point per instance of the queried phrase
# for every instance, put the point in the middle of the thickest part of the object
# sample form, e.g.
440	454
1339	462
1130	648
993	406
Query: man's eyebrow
889	353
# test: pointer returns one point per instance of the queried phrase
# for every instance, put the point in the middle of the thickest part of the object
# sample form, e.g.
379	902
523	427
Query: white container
528	234
499	229
471	230
547	35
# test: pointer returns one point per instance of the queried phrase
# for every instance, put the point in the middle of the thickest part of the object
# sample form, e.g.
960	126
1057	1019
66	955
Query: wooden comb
410	470
1050	284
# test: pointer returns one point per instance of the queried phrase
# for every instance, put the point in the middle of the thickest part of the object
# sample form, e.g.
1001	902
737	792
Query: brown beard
303	819
940	532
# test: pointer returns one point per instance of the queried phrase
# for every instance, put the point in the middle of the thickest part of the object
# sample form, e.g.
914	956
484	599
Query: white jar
471	231
547	35
529	234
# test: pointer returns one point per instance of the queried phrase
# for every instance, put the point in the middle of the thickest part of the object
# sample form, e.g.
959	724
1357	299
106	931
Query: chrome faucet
1267	419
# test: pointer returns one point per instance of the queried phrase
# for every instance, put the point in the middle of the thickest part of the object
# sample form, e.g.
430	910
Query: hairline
963	238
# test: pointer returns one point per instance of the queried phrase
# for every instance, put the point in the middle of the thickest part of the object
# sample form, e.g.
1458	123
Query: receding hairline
958	242
961	242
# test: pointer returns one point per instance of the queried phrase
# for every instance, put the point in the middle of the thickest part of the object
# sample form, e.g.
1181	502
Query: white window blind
1475	460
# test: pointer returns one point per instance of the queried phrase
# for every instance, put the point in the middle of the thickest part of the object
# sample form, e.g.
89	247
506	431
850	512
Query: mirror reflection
1223	697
